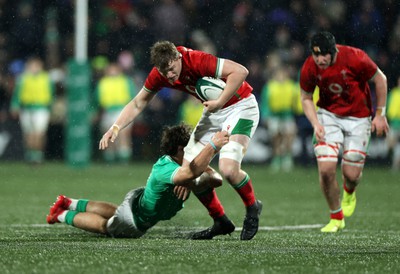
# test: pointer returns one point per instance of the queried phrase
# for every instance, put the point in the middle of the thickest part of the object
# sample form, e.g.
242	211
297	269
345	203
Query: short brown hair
162	53
173	137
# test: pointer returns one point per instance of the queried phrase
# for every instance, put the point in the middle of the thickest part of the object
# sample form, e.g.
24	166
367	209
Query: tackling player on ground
343	121
235	111
161	198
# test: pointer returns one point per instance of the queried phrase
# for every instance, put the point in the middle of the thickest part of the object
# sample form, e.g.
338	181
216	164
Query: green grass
369	244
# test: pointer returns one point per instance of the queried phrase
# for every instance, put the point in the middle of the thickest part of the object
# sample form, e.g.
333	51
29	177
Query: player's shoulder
349	50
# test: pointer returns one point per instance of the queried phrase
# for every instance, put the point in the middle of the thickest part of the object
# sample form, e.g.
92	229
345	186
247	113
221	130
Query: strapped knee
232	150
326	152
354	158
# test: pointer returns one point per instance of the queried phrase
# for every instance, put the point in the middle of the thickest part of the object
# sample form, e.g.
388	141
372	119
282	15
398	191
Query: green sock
69	218
81	206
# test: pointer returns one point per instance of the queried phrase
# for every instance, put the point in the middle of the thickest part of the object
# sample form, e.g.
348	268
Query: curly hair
173	137
162	53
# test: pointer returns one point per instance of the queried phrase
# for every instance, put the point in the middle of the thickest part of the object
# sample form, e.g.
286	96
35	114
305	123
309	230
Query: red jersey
195	65
343	87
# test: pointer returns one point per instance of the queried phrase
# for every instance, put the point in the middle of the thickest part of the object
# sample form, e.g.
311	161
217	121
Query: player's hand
220	139
380	125
181	192
212	106
111	135
319	133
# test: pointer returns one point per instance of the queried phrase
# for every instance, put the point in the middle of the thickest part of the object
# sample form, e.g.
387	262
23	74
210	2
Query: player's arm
127	115
187	173
235	75
311	114
379	123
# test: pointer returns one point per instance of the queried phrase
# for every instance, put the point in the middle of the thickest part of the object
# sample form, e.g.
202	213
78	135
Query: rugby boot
251	220
333	226
62	202
52	217
221	226
348	203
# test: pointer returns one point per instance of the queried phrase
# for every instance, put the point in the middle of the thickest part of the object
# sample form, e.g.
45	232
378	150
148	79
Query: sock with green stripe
78	205
246	192
69	217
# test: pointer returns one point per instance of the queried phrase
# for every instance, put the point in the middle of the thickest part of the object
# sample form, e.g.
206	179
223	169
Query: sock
246	192
61	217
347	189
78	205
337	214
69	216
81	205
210	200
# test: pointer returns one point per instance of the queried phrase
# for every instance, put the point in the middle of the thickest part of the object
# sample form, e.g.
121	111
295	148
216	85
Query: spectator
31	102
113	92
277	114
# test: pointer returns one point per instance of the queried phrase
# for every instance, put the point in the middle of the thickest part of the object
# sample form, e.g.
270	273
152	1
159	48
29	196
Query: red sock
348	190
338	215
210	200
246	192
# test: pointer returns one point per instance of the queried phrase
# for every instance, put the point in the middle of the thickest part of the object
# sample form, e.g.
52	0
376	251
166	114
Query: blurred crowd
268	37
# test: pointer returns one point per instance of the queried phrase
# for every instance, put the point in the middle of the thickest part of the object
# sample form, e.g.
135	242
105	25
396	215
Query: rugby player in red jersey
235	111
344	119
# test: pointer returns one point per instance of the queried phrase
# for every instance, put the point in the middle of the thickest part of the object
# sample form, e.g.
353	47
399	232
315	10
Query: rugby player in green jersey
168	186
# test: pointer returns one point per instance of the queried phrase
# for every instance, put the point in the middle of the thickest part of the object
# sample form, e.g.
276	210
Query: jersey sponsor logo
335	88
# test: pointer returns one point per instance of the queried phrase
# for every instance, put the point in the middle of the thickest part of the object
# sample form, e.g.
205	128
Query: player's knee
231	151
215	179
229	172
209	178
354	158
326	152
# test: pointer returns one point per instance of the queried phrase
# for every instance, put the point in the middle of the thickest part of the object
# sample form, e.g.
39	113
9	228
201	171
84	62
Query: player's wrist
212	144
115	128
380	111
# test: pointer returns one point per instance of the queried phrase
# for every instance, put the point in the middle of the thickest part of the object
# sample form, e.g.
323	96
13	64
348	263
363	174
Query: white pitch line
261	228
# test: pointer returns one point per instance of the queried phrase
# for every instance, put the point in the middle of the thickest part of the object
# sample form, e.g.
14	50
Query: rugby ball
208	88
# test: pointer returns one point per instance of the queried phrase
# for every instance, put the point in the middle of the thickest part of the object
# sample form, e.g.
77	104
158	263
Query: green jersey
158	201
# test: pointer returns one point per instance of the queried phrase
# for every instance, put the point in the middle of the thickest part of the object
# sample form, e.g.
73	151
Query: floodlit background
262	35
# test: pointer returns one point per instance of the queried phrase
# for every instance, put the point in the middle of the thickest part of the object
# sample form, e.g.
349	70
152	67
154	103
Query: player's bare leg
331	191
328	184
103	209
230	168
91	222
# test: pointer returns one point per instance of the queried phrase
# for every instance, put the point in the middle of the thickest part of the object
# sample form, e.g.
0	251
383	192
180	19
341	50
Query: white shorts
122	224
351	133
278	125
34	120
240	118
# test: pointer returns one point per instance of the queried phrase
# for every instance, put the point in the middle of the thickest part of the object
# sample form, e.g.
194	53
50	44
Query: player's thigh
356	141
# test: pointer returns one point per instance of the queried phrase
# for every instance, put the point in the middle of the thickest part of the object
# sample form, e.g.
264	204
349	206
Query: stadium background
254	33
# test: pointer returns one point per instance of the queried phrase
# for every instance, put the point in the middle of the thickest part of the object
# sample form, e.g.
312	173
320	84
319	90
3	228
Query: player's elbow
244	71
